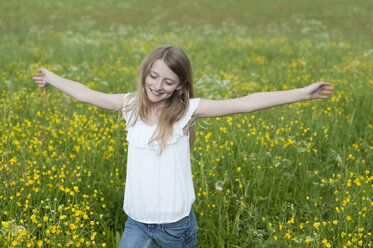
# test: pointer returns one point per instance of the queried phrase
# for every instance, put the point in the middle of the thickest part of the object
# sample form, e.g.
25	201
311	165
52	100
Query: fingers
324	89
321	90
41	73
324	83
40	78
324	92
42	70
40	81
327	90
41	85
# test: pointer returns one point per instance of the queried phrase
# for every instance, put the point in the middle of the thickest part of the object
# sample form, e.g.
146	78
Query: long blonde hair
175	107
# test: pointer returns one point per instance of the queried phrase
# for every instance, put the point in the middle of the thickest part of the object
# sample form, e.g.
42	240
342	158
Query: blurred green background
349	19
287	171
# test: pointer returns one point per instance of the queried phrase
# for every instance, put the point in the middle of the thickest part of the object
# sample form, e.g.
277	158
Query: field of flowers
299	175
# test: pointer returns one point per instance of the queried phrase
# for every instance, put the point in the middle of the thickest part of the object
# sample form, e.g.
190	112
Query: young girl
159	118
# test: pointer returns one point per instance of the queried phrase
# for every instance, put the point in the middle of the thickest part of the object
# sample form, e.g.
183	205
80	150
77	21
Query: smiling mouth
155	92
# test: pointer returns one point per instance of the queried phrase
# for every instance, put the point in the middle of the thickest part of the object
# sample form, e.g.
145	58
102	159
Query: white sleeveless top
159	187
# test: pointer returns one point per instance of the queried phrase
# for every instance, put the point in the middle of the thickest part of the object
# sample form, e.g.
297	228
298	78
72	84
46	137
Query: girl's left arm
261	100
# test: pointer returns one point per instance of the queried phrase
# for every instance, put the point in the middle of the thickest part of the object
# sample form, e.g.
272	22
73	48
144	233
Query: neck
155	107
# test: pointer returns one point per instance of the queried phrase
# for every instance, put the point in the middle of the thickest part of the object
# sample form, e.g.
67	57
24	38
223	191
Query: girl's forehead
162	69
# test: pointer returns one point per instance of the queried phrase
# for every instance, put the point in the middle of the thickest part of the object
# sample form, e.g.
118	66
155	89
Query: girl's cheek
170	88
149	79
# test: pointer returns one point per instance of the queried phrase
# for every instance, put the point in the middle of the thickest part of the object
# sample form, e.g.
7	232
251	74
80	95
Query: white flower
219	185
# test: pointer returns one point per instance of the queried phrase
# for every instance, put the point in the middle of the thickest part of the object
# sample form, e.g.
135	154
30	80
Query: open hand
41	78
318	90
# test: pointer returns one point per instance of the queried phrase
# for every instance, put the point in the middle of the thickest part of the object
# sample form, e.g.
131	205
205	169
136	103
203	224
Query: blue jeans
182	233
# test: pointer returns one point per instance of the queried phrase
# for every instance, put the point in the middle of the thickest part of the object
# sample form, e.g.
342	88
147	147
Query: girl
159	119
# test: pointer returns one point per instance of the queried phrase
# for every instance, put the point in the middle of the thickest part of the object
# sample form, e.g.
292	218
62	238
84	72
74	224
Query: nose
158	85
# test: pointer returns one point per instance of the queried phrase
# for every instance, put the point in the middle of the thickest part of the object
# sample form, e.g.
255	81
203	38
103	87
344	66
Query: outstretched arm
78	91
261	100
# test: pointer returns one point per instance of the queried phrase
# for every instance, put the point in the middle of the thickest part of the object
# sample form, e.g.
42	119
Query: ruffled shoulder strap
125	101
193	104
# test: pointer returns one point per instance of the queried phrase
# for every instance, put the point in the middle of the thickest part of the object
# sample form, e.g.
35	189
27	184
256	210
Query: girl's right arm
78	91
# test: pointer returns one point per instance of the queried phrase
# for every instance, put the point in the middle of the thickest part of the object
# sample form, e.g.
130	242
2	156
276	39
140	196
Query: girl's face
161	82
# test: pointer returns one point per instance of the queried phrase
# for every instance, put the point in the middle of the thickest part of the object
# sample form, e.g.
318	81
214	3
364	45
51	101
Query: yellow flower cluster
291	176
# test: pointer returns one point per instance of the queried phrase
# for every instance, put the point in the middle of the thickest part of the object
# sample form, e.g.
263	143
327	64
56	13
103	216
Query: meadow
298	175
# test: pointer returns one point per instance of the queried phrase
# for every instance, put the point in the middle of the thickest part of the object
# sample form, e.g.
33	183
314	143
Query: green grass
294	176
347	18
